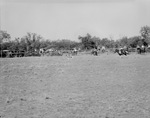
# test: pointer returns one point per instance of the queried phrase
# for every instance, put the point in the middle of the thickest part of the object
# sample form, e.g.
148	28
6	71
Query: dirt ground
85	86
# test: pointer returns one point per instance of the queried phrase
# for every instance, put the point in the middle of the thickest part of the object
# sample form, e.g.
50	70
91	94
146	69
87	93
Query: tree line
33	41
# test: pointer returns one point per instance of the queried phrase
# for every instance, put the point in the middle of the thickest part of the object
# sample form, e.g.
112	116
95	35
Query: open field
85	86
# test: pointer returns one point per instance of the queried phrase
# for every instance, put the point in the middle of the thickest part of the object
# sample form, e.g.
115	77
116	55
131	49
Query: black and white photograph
74	58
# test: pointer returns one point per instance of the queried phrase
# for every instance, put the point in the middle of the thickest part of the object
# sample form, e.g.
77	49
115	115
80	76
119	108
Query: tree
134	41
4	36
145	34
145	31
87	41
63	44
105	42
32	40
97	40
116	43
124	41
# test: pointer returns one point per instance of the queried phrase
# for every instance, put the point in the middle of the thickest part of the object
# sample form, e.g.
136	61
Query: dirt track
107	86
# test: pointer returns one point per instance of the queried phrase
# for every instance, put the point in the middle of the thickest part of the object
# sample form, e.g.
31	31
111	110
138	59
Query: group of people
121	50
125	51
72	52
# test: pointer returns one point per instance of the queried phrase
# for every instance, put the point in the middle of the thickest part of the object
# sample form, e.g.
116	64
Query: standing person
143	48
138	49
96	52
103	49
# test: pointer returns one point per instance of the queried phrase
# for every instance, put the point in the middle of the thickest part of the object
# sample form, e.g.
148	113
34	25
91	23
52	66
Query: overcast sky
67	19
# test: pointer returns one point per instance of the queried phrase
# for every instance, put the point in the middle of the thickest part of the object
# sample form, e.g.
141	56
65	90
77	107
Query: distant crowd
122	50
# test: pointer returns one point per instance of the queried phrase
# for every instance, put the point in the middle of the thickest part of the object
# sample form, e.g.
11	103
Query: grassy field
85	86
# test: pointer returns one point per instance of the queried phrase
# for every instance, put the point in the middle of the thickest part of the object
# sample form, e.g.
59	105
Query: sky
67	19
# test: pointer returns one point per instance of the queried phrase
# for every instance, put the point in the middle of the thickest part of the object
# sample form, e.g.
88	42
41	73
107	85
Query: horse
95	52
121	52
42	51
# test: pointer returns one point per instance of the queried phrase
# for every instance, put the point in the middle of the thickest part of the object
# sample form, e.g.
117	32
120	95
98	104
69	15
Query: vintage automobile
12	53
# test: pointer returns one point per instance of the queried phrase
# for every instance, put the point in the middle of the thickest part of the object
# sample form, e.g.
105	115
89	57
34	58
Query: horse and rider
95	51
74	51
122	51
42	51
141	49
